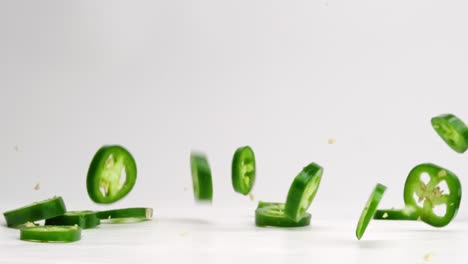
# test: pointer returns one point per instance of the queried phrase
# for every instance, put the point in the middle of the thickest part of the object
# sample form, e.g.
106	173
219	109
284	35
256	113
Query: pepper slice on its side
273	214
370	209
51	234
452	130
83	219
126	215
111	175
37	211
201	177
243	170
408	213
302	191
425	196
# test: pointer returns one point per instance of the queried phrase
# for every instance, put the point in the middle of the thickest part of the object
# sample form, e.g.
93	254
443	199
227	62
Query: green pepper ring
104	174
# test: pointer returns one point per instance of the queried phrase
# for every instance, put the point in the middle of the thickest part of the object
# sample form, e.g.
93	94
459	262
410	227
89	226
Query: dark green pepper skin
103	180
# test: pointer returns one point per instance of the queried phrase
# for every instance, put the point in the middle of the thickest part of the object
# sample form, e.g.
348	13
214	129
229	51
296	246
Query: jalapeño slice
424	197
452	130
274	215
369	210
302	191
201	177
111	175
37	211
243	170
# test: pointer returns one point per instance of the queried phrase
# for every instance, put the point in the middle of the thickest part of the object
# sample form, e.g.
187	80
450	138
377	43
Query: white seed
252	197
442	173
428	257
29	224
331	141
149	213
37	186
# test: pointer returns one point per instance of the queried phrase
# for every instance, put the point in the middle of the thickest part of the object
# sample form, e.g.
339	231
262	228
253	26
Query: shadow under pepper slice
452	130
425	196
243	170
111	175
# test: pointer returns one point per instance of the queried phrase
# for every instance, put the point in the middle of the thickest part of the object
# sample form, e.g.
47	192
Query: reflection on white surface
223	237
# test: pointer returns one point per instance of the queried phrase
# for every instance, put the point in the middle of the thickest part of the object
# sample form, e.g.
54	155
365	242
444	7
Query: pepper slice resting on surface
273	214
37	211
302	191
126	215
408	213
425	196
370	209
111	175
243	170
452	130
201	177
51	233
83	219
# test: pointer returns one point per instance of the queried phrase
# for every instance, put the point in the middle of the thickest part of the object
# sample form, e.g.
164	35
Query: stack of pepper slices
113	172
111	176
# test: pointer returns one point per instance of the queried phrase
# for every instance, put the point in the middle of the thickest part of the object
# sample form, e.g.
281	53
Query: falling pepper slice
425	196
243	170
452	130
111	175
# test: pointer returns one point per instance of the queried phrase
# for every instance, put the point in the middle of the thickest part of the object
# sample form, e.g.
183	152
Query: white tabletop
230	236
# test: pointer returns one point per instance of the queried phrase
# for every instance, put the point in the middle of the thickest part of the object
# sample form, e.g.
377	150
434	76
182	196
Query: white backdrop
163	78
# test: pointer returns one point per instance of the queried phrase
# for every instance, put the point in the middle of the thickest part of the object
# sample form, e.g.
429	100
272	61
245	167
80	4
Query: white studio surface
214	236
163	78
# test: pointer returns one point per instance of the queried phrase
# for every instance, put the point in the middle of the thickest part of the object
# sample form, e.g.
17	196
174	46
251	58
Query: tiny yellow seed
442	173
